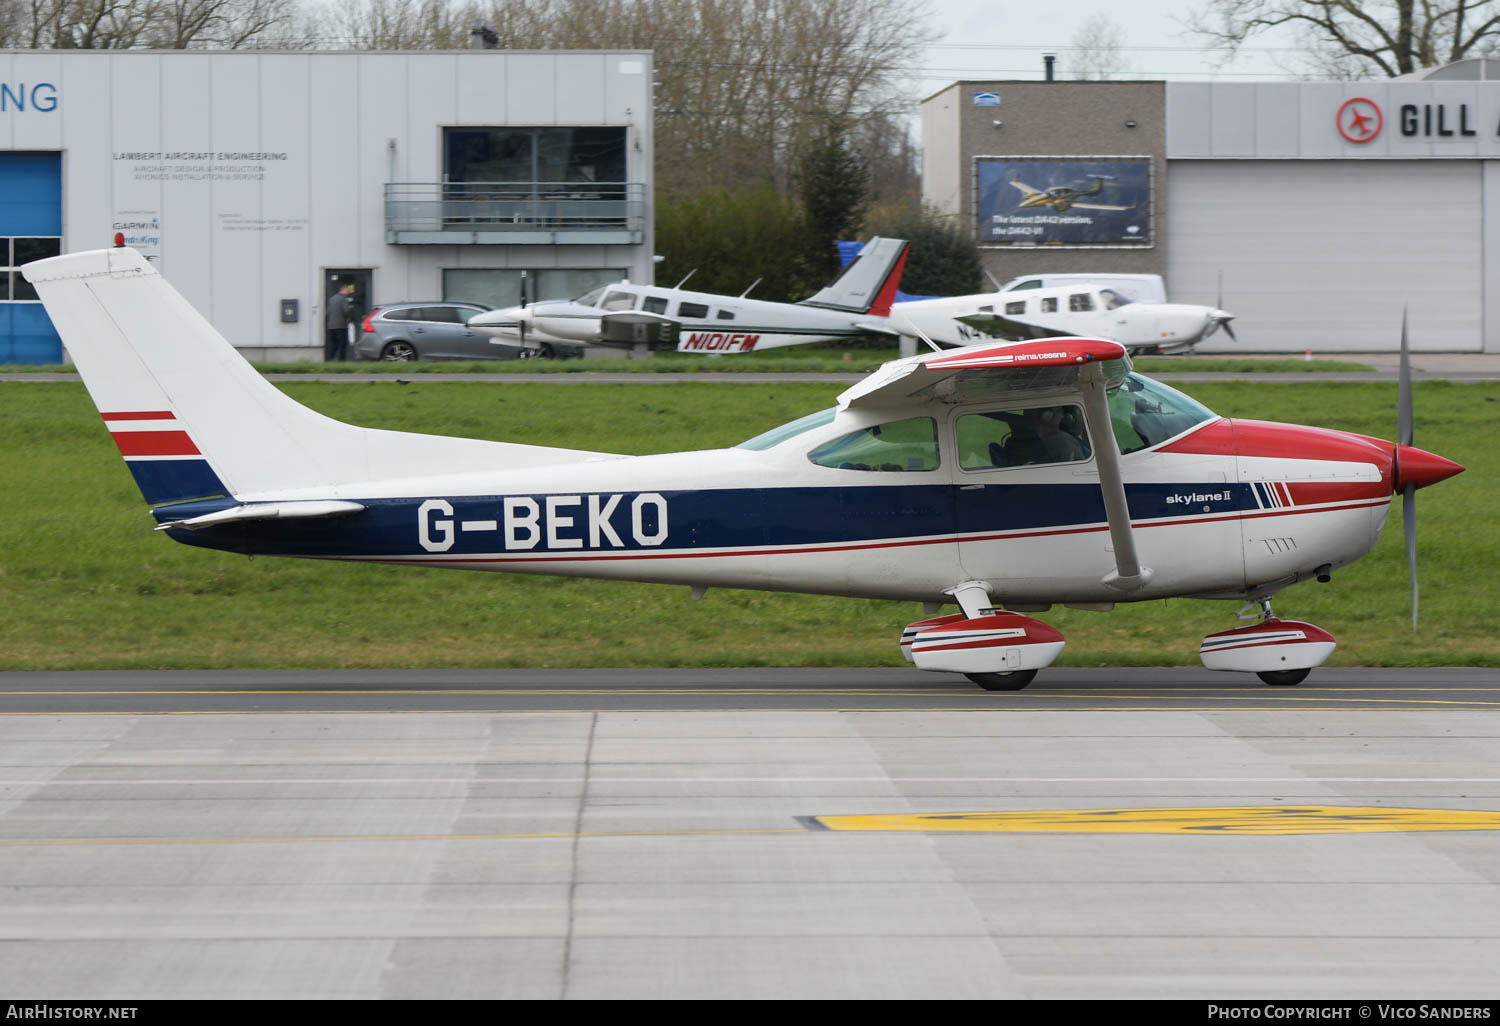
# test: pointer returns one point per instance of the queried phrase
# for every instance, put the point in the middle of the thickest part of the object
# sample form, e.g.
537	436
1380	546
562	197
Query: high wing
1085	367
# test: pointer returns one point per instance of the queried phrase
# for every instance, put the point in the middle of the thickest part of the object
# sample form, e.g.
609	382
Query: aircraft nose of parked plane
1418	468
501	323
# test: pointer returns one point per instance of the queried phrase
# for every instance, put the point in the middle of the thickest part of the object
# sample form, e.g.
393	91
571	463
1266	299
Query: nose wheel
1280	652
1284	678
1013	681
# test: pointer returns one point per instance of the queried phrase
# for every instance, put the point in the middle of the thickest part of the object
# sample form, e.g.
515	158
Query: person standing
339	317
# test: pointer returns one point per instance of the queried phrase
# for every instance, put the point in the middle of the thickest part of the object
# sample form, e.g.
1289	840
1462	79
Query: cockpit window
896	446
777	435
591	298
1147	413
1114	300
1025	437
619	301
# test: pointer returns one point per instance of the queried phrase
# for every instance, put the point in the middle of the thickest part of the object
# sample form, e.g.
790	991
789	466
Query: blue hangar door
30	229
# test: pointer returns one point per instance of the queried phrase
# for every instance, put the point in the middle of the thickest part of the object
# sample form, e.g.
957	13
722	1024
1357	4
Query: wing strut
1128	573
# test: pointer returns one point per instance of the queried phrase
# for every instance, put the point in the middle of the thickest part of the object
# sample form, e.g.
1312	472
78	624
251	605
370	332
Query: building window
499	288
14	252
576	156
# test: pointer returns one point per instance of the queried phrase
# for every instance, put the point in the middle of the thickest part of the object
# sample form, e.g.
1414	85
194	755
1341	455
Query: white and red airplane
1003	478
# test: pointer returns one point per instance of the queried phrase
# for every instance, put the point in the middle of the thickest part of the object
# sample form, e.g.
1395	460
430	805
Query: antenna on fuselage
923	336
754	283
992	279
685	277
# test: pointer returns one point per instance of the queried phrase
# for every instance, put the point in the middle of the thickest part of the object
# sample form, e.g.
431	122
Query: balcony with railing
515	213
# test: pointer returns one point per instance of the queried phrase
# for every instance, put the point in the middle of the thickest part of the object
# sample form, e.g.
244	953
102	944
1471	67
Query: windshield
1114	300
777	435
1146	413
591	298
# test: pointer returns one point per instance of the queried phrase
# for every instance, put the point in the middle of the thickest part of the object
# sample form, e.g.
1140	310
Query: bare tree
743	87
1353	39
398	24
1098	49
156	24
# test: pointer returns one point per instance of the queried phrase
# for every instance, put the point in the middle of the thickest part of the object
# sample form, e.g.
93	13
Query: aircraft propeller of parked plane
1003	478
629	315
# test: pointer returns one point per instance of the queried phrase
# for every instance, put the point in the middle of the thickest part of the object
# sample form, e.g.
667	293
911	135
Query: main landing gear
1280	652
996	649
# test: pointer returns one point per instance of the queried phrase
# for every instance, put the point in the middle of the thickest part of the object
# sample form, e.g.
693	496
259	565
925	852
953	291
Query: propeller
1413	468
522	320
1404	437
1220	316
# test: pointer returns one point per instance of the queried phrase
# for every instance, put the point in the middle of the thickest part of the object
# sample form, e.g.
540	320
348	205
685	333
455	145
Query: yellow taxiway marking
1247	819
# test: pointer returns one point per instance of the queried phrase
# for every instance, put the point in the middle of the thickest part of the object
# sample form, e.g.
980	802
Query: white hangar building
259	182
1324	208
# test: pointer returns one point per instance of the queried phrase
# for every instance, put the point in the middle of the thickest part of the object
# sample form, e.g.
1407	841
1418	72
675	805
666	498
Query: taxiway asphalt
763	833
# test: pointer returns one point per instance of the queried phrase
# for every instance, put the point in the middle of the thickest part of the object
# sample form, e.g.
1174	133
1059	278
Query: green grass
791	360
1166	366
86	583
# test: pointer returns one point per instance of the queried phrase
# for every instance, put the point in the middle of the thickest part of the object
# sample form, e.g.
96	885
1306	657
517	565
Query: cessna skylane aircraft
855	304
1062	197
1089	310
1003	478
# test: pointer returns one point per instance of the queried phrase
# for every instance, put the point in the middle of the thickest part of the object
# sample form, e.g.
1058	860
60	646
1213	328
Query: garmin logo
19	97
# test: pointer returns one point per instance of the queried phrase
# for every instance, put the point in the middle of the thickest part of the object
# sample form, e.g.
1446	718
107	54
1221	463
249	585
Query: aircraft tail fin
194	420
868	283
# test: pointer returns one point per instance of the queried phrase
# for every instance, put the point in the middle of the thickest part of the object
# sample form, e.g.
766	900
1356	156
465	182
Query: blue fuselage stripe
747	518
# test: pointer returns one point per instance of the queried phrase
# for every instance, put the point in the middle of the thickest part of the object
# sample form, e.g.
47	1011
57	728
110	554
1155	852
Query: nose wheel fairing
1274	649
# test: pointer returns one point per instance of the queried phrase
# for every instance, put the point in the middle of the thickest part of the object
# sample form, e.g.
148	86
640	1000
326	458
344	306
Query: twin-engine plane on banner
854	305
1003	478
1063	198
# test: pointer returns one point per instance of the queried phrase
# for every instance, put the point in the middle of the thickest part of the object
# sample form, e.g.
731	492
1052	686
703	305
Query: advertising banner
1073	201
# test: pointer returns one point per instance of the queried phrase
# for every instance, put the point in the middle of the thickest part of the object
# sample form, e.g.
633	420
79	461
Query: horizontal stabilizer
267	511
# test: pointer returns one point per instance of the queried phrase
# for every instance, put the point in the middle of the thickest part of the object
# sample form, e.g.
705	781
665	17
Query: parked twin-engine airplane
996	476
1062	197
625	314
1089	310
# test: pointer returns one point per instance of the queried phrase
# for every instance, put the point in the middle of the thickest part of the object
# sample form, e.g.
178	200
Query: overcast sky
990	39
